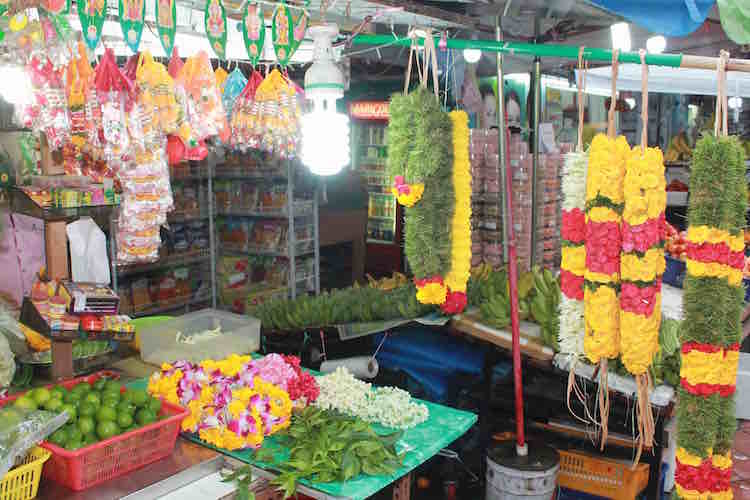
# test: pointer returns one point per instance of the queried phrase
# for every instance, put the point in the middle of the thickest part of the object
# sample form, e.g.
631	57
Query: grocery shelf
21	203
174	260
161	306
300	209
300	251
179	219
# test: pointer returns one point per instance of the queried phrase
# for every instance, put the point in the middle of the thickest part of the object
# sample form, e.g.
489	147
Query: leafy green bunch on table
324	446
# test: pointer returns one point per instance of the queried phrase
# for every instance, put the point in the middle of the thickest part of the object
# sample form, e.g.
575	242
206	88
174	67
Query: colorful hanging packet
113	89
49	111
205	110
242	112
233	87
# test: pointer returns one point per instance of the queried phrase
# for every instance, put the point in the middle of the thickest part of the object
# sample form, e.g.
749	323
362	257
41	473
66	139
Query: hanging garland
713	303
641	266
420	154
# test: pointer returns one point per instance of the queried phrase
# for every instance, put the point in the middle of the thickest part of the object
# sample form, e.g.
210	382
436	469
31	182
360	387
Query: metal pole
290	237
113	253
502	126
501	145
537	79
316	236
564	51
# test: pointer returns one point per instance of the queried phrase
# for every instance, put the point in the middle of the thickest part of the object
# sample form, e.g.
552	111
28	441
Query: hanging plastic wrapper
276	114
205	110
48	112
113	89
243	117
233	86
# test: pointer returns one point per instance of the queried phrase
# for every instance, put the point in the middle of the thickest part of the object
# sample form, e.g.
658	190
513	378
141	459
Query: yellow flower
232	441
645	186
602	214
711	234
613	278
207	396
684	494
236	407
687	458
646	268
606	170
639	338
190	423
714	270
722	461
574	260
602	318
409	200
432	293
458	275
212	435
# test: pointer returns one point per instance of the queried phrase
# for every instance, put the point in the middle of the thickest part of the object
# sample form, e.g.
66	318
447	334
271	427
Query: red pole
513	277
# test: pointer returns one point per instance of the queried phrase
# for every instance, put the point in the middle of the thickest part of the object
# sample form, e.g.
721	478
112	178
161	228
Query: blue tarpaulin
666	17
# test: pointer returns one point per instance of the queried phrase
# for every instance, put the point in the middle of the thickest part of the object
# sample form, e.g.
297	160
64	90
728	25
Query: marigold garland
711	331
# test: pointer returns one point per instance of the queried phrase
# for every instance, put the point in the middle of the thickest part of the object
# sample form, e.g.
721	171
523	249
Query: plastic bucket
507	480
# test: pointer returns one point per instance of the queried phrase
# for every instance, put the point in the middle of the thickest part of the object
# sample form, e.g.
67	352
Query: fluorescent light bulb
620	36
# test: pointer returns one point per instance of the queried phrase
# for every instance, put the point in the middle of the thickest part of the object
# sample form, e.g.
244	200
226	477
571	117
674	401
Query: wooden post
56	248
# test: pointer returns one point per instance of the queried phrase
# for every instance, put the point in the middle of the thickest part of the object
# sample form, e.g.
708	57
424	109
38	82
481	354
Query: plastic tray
22	481
239	334
113	457
601	476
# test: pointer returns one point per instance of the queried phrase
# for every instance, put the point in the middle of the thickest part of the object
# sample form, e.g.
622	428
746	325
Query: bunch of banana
678	149
543	304
349	305
394	281
496	311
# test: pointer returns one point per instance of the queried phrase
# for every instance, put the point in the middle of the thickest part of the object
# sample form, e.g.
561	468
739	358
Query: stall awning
667	80
667	17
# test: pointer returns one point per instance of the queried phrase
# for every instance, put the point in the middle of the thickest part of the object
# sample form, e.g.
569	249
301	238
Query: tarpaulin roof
667	17
667	80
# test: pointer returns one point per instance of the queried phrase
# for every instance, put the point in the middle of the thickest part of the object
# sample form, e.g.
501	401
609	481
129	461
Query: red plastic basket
113	457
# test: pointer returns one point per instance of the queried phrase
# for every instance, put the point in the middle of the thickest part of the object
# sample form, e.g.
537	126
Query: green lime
111	403
41	395
87	409
124	420
53	404
106	429
140	397
73	444
86	425
9	417
100	384
90	439
154	405
58	392
59	437
82	387
127	396
25	403
144	416
74	433
93	398
72	397
126	407
72	411
113	386
106	413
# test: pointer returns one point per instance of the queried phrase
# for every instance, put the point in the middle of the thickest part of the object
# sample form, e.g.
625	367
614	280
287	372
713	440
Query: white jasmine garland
574	180
389	406
571	320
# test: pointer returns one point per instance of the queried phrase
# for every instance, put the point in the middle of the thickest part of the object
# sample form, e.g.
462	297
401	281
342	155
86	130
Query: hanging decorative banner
166	13
131	21
216	26
282	32
92	20
253	31
300	20
54	6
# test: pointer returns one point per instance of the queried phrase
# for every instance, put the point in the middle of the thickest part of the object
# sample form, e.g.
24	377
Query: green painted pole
529	49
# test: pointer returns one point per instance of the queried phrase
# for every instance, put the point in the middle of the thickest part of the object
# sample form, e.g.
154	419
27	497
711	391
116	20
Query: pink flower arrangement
571	285
639	300
573	226
643	236
603	257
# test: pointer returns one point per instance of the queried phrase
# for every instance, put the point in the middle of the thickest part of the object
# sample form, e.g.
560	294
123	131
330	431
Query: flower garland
432	179
604	203
458	276
237	401
573	263
711	331
641	267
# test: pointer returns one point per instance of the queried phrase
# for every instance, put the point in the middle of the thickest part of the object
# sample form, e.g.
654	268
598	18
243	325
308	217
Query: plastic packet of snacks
204	107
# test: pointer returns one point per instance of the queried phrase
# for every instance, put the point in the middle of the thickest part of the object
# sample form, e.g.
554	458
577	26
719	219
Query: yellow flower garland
713	368
710	234
639	338
602	214
574	260
432	293
645	186
646	268
714	270
458	276
409	200
602	323
607	168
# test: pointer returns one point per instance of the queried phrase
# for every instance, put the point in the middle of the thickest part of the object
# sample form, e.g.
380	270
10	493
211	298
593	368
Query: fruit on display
96	411
678	149
394	281
538	298
348	305
81	349
36	340
676	243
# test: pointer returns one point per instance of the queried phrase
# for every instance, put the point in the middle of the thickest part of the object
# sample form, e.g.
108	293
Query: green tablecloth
420	443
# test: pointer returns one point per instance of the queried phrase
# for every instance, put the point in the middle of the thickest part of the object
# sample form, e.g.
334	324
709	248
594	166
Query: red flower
639	300
715	252
571	285
573	225
304	384
424	281
455	302
643	236
703	478
603	241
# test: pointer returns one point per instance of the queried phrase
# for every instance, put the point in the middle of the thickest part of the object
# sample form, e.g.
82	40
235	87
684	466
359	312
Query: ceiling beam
437	13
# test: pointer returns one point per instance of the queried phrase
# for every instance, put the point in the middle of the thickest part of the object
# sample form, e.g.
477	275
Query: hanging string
581	90
412	51
644	101
721	124
611	117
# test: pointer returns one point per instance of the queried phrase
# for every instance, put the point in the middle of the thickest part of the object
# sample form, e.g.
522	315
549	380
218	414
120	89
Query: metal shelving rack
191	258
294	210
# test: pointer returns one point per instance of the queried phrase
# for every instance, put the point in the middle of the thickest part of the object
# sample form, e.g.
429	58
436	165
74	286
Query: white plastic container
237	334
742	394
